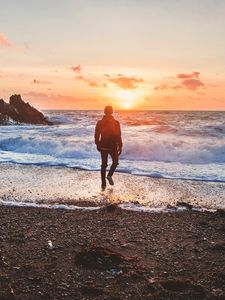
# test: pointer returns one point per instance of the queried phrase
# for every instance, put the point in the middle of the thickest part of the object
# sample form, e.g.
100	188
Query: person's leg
115	162
104	157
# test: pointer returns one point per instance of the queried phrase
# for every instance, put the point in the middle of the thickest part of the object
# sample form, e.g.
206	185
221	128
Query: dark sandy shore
111	254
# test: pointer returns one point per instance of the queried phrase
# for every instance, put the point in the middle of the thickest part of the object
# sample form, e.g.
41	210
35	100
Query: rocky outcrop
19	111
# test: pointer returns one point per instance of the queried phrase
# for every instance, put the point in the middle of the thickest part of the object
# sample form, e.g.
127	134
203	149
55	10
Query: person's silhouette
108	141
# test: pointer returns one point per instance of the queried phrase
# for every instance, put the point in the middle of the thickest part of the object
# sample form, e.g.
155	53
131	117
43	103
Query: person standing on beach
108	142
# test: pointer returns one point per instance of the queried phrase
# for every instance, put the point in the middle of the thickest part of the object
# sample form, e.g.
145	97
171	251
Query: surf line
125	206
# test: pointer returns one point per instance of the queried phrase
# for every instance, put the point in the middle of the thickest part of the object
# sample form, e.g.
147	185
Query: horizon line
180	110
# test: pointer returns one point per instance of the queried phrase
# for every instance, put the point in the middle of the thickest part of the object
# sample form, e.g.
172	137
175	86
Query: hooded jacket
108	134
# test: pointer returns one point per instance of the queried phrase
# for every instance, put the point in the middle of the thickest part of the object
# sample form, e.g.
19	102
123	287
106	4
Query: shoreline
111	254
69	187
135	207
118	171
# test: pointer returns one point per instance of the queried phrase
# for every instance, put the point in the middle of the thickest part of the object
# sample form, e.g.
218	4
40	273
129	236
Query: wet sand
111	254
57	185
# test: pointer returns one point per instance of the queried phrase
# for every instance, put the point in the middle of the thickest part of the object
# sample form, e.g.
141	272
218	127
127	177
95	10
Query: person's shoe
110	180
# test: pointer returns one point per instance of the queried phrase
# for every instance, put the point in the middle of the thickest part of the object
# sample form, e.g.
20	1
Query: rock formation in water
21	112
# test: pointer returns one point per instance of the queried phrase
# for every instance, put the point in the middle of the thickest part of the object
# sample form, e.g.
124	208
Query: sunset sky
84	54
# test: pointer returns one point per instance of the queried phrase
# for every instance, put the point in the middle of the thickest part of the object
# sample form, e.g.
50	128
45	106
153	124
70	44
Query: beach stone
100	258
219	246
217	294
220	212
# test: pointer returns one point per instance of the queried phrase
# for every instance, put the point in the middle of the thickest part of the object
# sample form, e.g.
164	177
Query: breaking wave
175	140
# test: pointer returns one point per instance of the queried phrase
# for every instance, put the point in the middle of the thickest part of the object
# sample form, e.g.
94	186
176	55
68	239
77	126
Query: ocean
162	144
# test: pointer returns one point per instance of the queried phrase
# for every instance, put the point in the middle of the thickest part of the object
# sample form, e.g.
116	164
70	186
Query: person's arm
119	141
97	135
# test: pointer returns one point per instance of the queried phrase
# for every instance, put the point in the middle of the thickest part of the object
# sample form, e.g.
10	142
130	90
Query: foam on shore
58	187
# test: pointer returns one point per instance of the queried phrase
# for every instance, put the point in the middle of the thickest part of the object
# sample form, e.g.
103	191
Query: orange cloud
55	97
192	84
190	81
124	82
77	69
163	87
90	82
187	76
51	97
4	41
41	82
51	100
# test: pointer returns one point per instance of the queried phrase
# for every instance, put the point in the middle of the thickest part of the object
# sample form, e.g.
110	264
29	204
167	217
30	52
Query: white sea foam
189	145
125	206
54	206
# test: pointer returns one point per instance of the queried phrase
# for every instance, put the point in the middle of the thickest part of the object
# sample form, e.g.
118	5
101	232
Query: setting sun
126	99
127	104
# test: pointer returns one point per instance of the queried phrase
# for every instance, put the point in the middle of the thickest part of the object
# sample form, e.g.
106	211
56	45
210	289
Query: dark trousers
115	161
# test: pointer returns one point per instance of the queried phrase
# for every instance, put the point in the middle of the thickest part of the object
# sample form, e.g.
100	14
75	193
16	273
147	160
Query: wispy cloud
192	84
4	42
188	75
124	82
51	97
90	82
55	97
35	81
86	78
188	81
163	87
